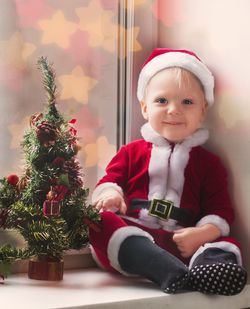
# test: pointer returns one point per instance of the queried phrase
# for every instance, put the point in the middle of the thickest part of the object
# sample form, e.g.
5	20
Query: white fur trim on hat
177	59
117	239
219	222
224	245
103	187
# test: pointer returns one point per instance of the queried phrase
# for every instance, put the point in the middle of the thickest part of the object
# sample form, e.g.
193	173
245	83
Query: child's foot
177	285
218	278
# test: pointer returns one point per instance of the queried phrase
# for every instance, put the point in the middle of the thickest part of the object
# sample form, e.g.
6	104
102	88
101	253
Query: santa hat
162	58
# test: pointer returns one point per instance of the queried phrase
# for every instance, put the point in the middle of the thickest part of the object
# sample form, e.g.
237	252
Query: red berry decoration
13	179
58	161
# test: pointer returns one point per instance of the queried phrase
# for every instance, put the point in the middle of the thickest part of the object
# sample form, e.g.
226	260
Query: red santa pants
105	244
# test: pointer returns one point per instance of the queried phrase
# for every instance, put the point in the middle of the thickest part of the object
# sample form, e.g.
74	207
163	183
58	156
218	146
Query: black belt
163	209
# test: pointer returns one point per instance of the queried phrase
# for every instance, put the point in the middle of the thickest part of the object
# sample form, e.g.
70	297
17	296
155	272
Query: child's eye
187	102
161	100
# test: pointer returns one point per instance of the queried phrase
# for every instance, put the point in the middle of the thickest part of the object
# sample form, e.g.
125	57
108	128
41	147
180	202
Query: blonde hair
181	76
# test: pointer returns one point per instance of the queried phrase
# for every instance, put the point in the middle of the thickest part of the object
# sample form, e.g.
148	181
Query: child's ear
204	111
144	110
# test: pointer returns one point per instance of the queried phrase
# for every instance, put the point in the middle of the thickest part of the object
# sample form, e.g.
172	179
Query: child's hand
189	239
111	200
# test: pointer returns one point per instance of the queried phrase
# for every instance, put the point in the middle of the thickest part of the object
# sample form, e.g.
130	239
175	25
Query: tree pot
44	269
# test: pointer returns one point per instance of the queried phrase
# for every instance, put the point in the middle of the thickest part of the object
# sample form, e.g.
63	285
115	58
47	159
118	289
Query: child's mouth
173	123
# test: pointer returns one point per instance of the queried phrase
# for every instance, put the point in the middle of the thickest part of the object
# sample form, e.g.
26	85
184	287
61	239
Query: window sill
93	288
73	259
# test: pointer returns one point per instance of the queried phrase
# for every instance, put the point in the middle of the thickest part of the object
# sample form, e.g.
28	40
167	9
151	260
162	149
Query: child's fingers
99	205
123	207
177	238
108	203
112	205
183	250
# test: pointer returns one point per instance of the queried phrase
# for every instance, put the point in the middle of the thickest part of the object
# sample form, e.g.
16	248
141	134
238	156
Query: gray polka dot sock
218	278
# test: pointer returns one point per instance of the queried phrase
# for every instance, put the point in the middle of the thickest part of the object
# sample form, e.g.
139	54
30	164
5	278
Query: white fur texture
103	187
148	221
166	168
224	245
95	257
177	59
117	239
219	222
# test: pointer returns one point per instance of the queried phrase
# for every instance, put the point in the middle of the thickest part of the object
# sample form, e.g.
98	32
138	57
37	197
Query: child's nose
173	107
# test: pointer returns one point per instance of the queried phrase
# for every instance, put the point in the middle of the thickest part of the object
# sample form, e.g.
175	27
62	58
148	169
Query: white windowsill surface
94	288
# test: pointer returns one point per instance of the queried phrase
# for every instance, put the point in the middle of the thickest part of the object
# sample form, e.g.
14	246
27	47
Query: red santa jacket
186	173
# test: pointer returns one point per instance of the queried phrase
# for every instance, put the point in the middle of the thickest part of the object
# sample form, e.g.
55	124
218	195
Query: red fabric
110	222
159	51
204	193
231	240
205	188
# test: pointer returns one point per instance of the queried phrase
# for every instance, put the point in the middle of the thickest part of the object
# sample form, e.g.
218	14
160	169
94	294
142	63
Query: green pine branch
48	79
9	254
47	166
8	194
48	237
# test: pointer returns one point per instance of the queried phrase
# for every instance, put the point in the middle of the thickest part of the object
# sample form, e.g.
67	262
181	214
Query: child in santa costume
165	209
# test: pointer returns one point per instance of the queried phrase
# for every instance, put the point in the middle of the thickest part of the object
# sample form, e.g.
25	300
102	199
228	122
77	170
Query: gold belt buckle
160	208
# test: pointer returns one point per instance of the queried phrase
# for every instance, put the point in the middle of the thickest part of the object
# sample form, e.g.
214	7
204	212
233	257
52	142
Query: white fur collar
167	166
150	135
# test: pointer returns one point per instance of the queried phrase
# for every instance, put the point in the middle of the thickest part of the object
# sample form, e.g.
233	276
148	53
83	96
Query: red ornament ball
13	179
58	161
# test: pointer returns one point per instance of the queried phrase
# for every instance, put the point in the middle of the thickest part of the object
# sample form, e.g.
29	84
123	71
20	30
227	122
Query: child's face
174	109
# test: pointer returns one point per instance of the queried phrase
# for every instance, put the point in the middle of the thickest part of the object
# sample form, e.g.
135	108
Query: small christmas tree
48	203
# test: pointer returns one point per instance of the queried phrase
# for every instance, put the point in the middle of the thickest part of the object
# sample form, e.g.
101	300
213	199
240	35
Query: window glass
87	42
81	39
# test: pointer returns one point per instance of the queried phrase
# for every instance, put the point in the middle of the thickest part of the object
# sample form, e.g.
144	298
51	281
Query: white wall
219	31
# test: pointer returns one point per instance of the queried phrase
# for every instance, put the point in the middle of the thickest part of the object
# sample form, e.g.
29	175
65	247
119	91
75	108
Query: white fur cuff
117	239
103	187
224	245
219	222
95	257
